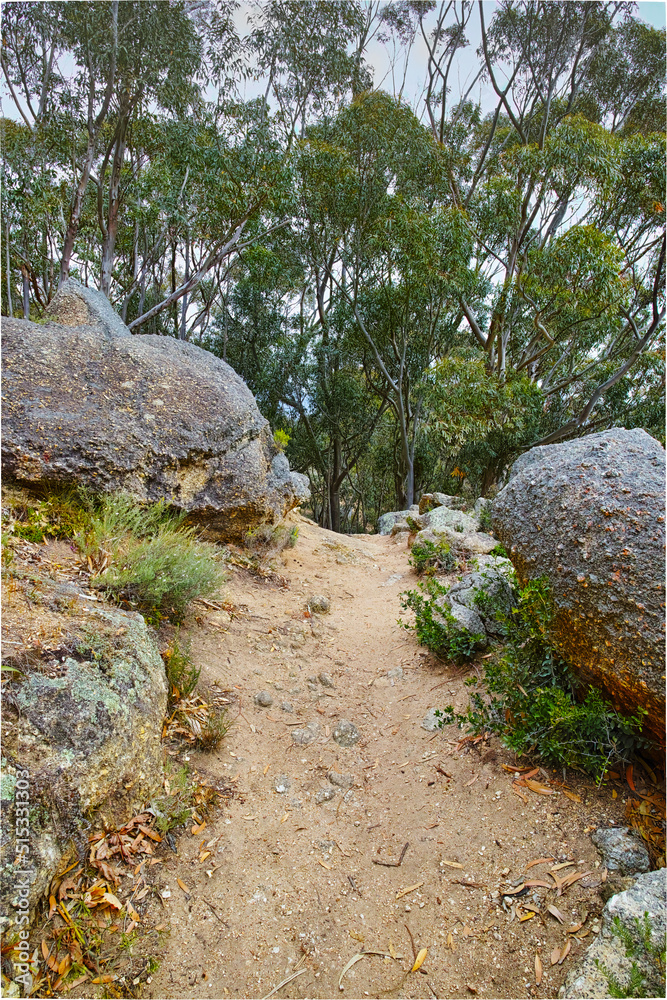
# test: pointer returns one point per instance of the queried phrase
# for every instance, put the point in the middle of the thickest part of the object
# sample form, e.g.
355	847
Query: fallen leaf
183	886
112	900
555	912
353	961
519	888
519	793
563	864
450	941
555	956
571	795
324	865
204	855
267	768
573	928
629	778
421	957
104	979
45	950
538	970
411	888
472	781
540	861
451	864
526	916
198	829
540	789
565	952
52	906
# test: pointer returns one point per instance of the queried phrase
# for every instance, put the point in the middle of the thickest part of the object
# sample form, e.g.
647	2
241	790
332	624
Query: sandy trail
291	883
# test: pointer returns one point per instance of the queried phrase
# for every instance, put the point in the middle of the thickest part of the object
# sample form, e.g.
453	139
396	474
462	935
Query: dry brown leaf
45	950
267	768
204	855
52	905
451	864
472	781
519	793
555	956
539	861
324	865
104	979
65	965
450	941
183	886
536	787
112	900
420	959
526	916
563	864
565	952
410	888
513	892
555	912
571	879
571	795
538	969
575	927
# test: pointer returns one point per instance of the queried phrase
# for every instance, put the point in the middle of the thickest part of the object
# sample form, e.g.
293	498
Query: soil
293	882
409	845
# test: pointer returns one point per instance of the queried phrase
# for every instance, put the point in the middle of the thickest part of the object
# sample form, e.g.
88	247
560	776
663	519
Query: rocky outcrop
632	933
440	518
473	603
622	850
75	305
589	515
83	741
155	417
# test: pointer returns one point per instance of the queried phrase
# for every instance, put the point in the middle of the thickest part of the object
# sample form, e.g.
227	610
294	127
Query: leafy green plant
642	949
427	557
435	626
145	555
529	698
485	519
281	439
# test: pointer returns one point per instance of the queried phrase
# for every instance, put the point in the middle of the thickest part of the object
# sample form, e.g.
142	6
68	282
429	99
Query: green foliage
435	626
427	557
145	555
55	512
281	439
642	949
528	697
182	674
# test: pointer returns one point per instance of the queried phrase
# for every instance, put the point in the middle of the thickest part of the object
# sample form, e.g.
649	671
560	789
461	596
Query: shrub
54	512
268	540
145	555
435	626
529	698
427	557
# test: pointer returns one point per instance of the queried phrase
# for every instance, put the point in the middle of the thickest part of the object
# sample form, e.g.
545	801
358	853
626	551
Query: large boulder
82	744
632	935
153	416
589	516
458	529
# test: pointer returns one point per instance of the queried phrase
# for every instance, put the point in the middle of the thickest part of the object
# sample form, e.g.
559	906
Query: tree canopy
419	277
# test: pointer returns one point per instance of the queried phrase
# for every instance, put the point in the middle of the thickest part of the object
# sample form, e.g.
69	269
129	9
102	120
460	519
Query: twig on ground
391	864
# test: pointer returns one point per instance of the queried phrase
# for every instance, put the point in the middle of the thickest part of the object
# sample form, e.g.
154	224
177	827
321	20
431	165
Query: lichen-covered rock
640	911
301	487
488	592
430	500
387	521
153	416
346	733
90	742
461	619
589	515
623	850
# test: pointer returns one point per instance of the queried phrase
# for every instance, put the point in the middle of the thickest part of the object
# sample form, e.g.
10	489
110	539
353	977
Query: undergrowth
526	693
429	558
641	948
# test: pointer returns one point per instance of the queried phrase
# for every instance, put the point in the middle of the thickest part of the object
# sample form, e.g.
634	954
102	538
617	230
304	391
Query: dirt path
290	883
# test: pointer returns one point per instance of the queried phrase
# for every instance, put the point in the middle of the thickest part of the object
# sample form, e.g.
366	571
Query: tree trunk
10	306
75	213
113	215
184	306
26	291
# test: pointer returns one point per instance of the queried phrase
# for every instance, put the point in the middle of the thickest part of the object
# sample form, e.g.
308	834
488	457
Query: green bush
268	540
435	626
529	698
53	512
145	555
427	557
